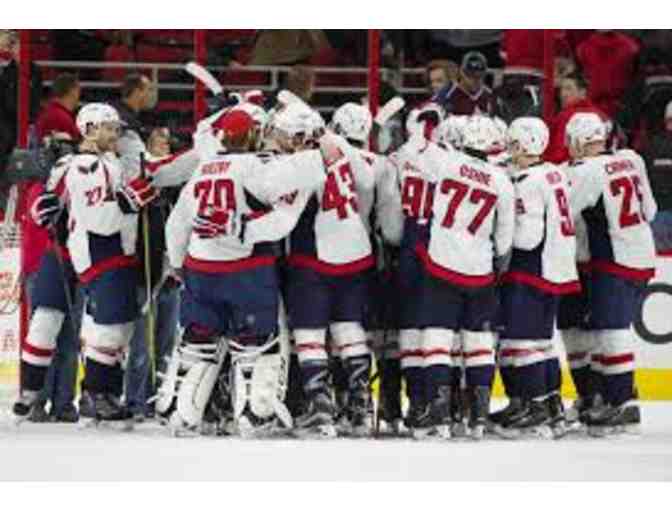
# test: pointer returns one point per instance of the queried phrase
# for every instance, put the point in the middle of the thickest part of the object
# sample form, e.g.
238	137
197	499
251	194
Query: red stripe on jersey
628	273
481	352
118	262
515	353
436	352
411	353
667	253
621	359
542	284
454	277
229	266
309	262
36	351
309	347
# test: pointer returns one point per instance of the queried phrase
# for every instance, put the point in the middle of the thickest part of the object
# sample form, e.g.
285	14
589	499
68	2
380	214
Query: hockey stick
389	110
205	77
150	326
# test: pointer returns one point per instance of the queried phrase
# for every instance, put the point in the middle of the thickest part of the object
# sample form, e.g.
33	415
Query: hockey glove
136	194
46	209
219	223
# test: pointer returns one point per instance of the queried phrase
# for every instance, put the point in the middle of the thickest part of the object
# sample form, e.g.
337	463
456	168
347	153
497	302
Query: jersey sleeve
529	207
277	223
277	176
506	220
586	188
649	206
129	148
56	181
179	226
389	213
173	170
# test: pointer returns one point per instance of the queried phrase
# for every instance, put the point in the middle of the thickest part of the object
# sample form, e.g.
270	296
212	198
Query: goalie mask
352	121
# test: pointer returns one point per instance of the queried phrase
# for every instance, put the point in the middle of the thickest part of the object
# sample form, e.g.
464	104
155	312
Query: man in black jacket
9	90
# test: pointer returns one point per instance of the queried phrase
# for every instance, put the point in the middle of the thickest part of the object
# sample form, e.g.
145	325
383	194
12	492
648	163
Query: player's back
544	240
331	229
613	194
468	193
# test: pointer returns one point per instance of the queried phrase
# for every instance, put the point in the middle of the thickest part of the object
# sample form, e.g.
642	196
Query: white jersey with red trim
100	236
381	196
612	194
582	246
472	217
544	246
332	236
268	190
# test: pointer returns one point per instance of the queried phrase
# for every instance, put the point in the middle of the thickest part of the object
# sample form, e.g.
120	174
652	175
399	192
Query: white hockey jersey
582	246
472	217
331	236
101	237
261	187
612	193
544	246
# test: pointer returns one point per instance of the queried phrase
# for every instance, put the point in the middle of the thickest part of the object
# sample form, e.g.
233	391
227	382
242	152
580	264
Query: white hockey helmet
92	116
423	120
297	124
530	133
584	128
500	141
352	121
480	133
449	132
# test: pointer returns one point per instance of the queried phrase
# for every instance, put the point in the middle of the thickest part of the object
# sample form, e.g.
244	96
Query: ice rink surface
63	452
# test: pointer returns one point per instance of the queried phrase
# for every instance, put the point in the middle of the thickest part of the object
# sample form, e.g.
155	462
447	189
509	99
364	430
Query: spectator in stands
59	113
573	99
440	73
301	81
608	61
286	47
469	95
455	44
121	49
658	157
9	72
138	95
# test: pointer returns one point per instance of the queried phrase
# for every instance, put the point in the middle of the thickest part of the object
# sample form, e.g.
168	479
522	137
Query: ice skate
24	407
104	409
318	421
436	422
611	421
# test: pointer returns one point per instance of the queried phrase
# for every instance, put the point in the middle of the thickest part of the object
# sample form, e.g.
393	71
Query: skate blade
437	433
477	433
633	431
326	431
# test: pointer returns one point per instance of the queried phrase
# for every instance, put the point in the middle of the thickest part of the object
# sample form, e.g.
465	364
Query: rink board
654	333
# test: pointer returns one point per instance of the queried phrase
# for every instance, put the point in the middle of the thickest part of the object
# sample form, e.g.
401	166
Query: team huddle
305	259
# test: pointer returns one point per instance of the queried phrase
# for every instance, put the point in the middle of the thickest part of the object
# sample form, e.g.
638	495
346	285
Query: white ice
63	452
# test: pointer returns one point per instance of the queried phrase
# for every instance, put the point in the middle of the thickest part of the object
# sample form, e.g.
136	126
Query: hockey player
329	266
414	195
611	191
541	269
219	234
102	210
378	211
471	223
574	310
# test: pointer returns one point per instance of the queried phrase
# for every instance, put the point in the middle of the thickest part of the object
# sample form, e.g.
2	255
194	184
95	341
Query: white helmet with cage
352	121
530	134
93	116
480	133
584	128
